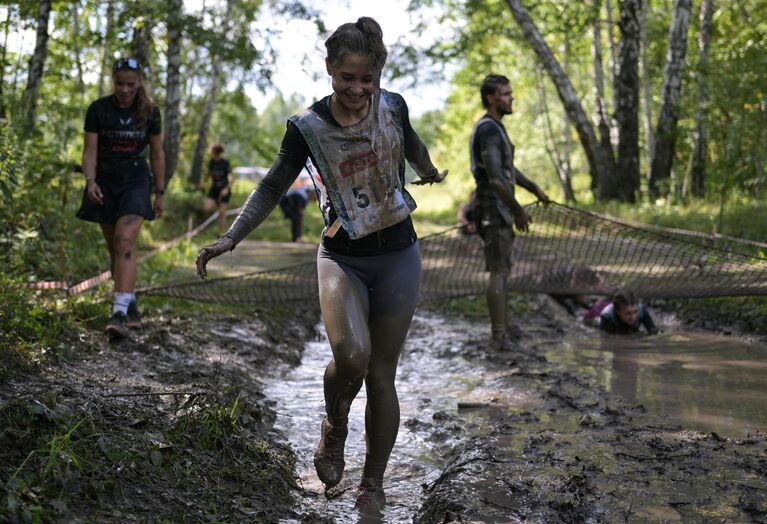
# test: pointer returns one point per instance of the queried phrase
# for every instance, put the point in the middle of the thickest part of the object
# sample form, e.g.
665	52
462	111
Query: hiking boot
329	457
118	326
371	498
134	317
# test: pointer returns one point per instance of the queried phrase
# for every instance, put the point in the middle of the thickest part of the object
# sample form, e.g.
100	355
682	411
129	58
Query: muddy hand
522	221
436	177
222	245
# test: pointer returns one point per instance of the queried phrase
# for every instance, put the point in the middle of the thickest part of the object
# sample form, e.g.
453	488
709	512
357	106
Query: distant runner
220	173
118	129
369	263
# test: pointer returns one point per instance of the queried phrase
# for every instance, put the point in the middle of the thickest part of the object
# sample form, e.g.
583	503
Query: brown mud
169	425
568	451
173	426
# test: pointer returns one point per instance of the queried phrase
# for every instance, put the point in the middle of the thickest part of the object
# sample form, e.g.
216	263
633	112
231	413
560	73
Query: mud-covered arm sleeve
491	145
415	150
525	182
290	160
646	320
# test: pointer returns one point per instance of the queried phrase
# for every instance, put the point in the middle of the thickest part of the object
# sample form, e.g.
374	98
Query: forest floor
172	425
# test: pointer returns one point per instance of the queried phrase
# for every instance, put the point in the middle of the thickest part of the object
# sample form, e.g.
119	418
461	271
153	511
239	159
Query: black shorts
130	196
215	194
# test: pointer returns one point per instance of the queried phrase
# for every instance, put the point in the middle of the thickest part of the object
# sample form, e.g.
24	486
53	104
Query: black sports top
121	139
219	171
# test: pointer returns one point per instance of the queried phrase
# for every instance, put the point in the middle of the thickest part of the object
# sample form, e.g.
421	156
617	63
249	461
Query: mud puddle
434	381
542	432
700	380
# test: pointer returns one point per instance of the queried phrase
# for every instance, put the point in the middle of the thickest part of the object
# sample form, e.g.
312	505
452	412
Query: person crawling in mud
368	263
622	314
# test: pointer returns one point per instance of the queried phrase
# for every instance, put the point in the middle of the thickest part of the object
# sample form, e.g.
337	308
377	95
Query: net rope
566	252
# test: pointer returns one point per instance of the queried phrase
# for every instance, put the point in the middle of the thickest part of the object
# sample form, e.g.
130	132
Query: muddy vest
360	168
486	195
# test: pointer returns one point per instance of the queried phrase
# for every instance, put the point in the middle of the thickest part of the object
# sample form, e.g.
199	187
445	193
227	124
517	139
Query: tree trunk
77	50
172	137
646	84
603	120
3	62
611	37
202	136
601	163
627	101
698	167
560	160
140	47
565	167
106	56
665	133
36	66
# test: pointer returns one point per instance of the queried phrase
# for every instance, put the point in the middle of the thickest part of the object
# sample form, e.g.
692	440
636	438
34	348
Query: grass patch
64	464
31	330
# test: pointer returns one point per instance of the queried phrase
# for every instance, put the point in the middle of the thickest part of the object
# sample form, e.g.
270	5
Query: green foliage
30	330
212	427
48	449
40	235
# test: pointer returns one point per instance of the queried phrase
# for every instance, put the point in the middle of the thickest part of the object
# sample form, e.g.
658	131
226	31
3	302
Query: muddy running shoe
118	326
134	317
514	332
505	343
329	457
371	498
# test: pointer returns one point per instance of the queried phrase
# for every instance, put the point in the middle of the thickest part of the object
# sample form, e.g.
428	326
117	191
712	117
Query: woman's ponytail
364	37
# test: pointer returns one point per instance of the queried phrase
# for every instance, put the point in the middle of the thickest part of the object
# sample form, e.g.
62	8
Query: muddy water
432	379
698	380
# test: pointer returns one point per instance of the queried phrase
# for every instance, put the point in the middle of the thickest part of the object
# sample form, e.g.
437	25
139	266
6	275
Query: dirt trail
173	425
168	426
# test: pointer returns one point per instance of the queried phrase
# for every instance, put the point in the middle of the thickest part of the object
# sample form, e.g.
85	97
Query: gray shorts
391	281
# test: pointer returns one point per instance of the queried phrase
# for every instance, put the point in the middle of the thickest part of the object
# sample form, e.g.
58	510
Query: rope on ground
567	251
106	275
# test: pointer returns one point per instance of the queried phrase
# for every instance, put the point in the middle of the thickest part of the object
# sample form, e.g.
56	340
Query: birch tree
646	86
172	136
140	47
627	102
77	47
4	60
107	47
210	100
602	114
665	132
601	162
36	66
698	166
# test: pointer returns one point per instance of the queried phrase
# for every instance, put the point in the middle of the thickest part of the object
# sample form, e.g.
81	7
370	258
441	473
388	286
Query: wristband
159	192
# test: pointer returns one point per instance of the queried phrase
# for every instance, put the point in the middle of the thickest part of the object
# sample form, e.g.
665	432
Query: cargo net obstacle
567	251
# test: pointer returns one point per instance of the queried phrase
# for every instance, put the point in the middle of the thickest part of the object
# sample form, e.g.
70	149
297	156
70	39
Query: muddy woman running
368	262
